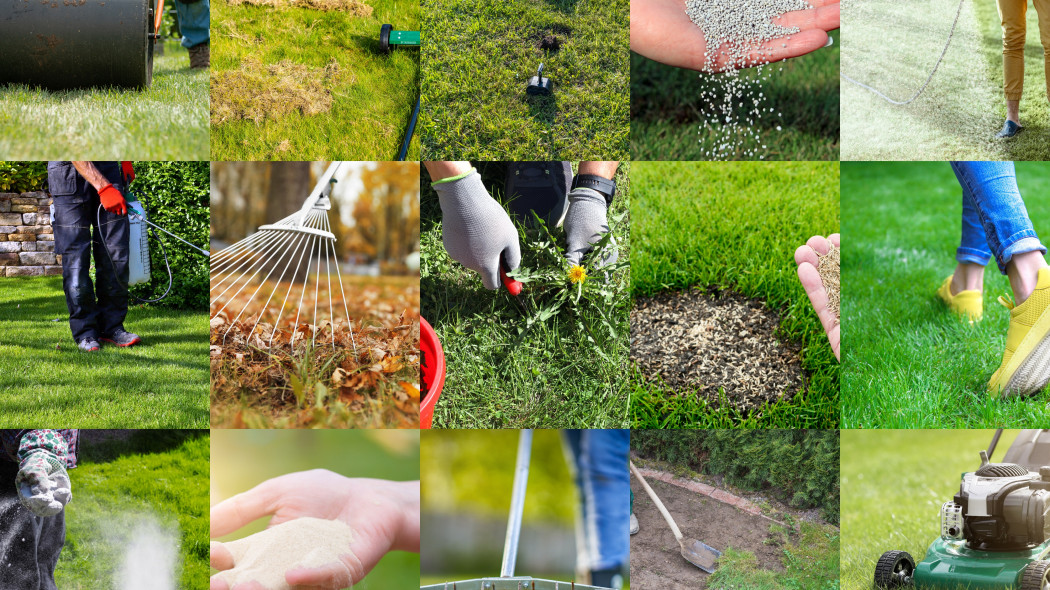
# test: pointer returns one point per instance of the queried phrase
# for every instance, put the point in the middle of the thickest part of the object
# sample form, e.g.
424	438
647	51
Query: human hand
42	481
112	200
384	516
129	171
476	230
585	223
662	31
807	259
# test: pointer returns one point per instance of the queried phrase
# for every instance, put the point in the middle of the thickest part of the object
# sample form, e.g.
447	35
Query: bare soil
702	343
656	560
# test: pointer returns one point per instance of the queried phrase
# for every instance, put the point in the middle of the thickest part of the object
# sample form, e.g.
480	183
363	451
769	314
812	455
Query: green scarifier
995	532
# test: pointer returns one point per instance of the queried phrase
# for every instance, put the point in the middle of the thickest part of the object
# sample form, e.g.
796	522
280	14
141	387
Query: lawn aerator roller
388	40
62	44
995	533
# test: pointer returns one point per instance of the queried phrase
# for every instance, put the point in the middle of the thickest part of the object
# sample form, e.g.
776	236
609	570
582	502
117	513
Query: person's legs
29	544
598	460
111	252
1012	17
72	229
194	22
1042	7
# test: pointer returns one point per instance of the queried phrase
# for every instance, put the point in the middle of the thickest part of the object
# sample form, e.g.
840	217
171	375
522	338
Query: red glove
129	171
112	200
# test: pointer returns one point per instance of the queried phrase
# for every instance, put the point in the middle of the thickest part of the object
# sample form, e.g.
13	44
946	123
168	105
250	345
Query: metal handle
539	73
517	504
319	190
656	500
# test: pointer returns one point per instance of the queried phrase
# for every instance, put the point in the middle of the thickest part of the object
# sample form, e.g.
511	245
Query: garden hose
127	287
947	43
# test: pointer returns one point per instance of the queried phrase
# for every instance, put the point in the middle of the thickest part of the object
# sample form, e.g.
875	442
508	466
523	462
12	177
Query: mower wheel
384	38
1036	576
895	569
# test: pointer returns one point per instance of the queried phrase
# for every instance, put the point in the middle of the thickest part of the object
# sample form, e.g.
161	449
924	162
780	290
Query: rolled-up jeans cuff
1028	242
971	256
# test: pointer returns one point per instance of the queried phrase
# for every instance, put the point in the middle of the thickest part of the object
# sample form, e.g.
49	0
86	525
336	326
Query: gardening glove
475	229
129	171
585	223
112	200
42	482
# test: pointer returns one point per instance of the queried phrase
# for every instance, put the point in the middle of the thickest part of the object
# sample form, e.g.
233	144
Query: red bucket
433	371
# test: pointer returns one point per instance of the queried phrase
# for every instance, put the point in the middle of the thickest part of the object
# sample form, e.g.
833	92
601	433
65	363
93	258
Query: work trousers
29	544
1012	13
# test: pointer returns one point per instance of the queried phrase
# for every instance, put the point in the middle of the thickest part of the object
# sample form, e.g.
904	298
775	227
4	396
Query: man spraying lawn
91	195
34	490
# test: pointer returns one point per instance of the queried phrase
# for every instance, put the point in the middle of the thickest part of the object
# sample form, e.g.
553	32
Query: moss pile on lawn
353	7
257	92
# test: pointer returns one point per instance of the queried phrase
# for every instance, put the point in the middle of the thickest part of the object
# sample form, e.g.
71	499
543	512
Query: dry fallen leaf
411	389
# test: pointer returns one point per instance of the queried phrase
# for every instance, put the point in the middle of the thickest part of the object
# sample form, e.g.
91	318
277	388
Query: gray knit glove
476	229
585	224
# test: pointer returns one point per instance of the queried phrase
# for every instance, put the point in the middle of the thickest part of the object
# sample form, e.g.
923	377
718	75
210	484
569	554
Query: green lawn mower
995	533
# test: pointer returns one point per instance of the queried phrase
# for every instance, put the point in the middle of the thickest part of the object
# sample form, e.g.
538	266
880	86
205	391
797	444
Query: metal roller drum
63	44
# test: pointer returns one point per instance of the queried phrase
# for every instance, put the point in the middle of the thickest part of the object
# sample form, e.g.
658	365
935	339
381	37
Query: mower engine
1000	506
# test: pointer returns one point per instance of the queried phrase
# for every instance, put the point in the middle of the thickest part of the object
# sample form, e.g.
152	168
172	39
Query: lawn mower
507	580
389	39
995	533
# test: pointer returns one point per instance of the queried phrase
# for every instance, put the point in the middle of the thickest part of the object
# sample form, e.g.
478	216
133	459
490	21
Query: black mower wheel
895	569
1036	576
384	38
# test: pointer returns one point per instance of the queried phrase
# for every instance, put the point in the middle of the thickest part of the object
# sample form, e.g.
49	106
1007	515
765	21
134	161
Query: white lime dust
302	543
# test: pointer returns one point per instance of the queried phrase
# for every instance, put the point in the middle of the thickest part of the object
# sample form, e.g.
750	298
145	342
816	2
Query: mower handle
517	504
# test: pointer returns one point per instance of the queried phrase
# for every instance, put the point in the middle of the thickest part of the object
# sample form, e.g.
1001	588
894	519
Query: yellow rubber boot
1026	362
969	304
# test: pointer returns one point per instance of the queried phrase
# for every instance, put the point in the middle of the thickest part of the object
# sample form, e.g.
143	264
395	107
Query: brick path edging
706	490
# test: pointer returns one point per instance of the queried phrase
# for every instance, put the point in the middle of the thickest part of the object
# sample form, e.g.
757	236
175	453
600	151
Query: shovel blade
700	555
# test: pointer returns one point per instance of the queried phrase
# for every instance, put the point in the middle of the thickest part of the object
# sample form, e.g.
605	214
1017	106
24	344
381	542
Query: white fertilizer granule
150	559
735	32
302	543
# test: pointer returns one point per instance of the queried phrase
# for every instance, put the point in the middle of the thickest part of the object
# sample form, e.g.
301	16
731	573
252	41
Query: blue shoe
1009	129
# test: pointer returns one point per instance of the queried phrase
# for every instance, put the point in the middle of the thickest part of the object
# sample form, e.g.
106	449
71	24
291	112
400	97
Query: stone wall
27	243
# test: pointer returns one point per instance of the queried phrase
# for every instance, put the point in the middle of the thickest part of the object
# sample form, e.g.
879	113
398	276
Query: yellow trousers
1012	14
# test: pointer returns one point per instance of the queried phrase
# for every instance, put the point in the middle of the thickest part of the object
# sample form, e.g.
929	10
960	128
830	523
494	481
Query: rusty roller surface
61	44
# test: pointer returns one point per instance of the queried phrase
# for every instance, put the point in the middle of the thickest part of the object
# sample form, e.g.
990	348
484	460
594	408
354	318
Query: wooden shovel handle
659	504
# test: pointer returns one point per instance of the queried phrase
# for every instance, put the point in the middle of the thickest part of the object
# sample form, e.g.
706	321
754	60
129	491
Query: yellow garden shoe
1026	362
968	304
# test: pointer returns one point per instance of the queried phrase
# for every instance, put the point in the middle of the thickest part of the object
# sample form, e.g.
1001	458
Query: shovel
695	552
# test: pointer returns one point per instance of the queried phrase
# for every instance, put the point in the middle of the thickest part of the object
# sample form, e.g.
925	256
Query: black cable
112	264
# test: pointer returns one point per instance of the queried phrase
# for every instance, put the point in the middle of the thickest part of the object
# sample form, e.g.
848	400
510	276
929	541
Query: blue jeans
599	466
994	219
194	22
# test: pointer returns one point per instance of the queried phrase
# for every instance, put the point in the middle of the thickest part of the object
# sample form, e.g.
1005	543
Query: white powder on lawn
302	543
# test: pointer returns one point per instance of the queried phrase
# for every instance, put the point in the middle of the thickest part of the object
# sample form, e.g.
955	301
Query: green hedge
23	177
177	196
800	467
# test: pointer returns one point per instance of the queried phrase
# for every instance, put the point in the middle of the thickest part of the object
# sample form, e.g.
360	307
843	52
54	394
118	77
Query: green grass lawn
153	476
168	121
893	485
810	559
668	119
699	224
909	362
480	56
161	383
373	96
892	47
501	374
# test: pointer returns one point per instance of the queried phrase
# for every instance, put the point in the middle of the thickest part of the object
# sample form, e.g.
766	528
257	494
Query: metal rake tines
282	255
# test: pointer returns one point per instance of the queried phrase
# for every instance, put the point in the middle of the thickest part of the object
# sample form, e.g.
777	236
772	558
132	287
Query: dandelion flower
577	274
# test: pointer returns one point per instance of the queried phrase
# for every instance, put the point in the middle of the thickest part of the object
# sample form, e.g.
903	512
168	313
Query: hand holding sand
382	515
825	303
662	31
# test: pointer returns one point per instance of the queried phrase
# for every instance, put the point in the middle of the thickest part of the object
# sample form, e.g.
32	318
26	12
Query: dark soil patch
701	343
549	43
656	560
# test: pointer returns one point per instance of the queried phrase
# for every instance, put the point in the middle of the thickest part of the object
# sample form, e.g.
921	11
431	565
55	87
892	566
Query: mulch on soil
656	560
700	343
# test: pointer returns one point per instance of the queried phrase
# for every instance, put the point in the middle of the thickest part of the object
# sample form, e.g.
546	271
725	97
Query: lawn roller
258	266
538	85
507	580
63	44
995	533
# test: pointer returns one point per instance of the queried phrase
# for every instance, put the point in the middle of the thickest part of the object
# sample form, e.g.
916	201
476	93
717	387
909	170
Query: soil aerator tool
538	85
507	579
995	532
695	552
390	39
